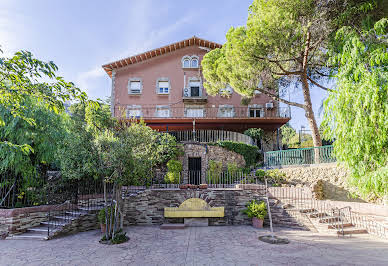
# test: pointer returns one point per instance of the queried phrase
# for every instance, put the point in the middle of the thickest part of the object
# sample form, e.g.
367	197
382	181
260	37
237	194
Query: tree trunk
309	113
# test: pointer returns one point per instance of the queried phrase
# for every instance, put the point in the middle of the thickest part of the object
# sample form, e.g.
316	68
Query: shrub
260	174
232	168
215	170
174	170
249	152
254	209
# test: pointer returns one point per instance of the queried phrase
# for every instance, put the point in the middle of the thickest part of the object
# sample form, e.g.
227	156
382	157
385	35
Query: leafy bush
273	176
254	209
233	168
249	152
120	237
174	170
214	171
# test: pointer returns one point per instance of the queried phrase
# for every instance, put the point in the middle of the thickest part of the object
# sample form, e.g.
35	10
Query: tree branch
277	98
318	85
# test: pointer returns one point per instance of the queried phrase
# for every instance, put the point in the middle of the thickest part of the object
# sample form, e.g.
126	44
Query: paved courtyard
219	245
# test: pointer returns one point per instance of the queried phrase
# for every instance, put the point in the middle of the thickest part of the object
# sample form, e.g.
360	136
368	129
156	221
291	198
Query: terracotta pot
203	186
103	228
257	223
184	186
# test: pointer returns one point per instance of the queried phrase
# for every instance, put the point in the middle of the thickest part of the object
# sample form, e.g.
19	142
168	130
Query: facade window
195	88
226	92
163	87
256	112
186	62
135	86
225	111
190	61
194	63
134	111
162	111
195	112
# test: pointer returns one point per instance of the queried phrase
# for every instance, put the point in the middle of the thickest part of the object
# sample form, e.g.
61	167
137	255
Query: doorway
195	170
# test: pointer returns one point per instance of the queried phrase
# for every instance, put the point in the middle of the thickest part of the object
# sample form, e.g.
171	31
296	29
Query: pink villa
164	86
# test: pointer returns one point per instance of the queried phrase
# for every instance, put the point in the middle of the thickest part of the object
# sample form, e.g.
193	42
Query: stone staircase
60	222
326	222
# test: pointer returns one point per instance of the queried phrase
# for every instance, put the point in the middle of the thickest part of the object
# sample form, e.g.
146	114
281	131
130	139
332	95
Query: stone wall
19	220
147	207
333	176
84	222
206	153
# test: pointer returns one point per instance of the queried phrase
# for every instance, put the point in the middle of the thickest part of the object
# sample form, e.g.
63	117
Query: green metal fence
311	155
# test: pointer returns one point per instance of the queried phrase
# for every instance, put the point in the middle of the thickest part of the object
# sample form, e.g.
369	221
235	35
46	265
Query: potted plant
256	211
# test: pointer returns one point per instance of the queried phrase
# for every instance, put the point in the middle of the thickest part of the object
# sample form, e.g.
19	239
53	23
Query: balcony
194	95
238	119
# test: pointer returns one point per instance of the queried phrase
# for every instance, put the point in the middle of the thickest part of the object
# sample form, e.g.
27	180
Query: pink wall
167	65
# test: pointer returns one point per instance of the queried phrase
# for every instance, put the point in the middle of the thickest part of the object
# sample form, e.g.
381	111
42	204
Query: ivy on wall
249	152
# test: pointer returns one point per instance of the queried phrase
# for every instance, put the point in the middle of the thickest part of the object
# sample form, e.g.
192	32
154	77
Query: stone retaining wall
333	176
18	220
147	207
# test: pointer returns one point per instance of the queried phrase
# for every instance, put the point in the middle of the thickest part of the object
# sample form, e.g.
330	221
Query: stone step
29	235
308	210
94	208
339	225
42	229
66	217
172	226
76	213
330	219
353	232
318	215
54	223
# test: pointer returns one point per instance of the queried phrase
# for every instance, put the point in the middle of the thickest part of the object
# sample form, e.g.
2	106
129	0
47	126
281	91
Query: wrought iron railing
172	111
206	136
313	155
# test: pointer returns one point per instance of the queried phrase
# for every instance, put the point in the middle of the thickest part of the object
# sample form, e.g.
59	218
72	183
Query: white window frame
256	107
162	107
195	79
190	59
187	109
196	58
134	108
163	79
226	111
135	80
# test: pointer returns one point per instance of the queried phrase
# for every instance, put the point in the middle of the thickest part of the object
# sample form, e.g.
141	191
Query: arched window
194	61
186	62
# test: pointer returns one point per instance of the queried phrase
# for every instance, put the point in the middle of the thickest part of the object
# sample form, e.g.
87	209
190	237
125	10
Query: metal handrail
6	195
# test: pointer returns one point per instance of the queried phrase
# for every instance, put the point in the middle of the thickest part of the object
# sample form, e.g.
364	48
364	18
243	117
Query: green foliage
255	209
214	171
120	237
103	214
249	152
175	168
356	111
272	176
24	78
254	133
42	137
288	134
233	169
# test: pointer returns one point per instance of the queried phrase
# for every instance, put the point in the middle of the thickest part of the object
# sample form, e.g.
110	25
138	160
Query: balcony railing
156	112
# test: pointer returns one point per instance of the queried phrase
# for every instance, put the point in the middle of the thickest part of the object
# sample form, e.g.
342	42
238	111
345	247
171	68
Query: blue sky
80	36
